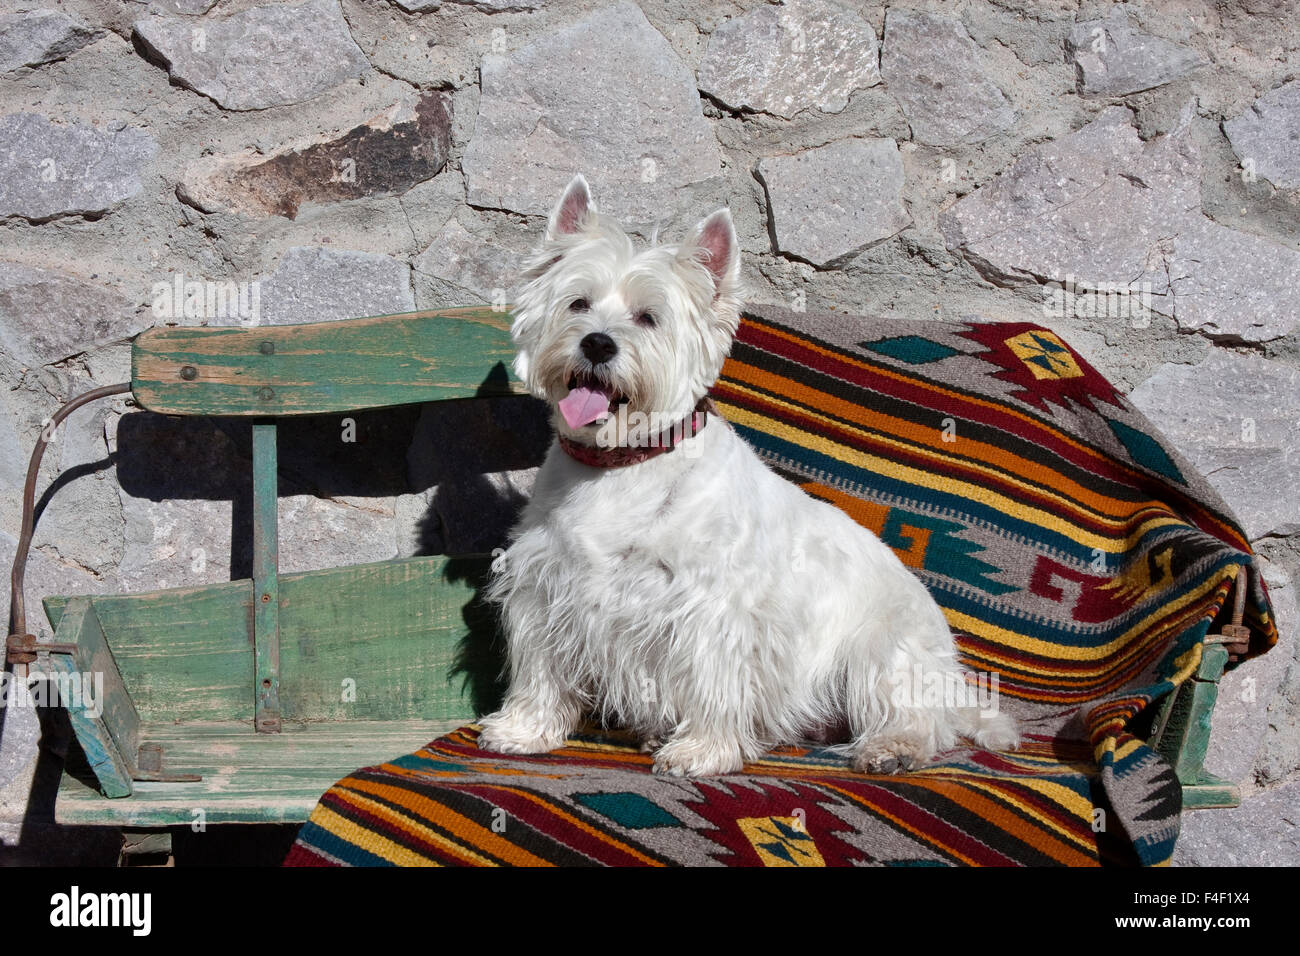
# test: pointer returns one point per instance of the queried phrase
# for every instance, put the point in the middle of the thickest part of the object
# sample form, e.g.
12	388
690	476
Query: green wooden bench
242	702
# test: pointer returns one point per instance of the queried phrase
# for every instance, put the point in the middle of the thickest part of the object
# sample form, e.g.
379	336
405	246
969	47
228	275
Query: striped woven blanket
1077	557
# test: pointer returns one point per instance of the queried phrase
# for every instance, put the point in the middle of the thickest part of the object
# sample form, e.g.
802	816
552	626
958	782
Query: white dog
661	574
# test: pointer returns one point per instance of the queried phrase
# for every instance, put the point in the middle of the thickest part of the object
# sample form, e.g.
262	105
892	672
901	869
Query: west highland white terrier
661	575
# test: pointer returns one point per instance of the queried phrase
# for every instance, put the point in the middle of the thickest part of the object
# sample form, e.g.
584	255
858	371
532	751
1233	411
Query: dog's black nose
598	347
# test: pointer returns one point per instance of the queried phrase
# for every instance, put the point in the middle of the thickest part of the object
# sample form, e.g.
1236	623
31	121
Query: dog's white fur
696	597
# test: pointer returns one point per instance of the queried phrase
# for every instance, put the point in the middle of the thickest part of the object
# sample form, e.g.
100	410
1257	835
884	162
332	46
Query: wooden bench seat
246	777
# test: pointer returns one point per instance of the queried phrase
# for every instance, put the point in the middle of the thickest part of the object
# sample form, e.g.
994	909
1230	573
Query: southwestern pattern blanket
1079	559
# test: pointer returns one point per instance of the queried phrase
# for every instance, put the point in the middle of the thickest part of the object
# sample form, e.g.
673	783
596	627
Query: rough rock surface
46	316
1268	136
831	203
318	284
1043	218
1241	432
1241	719
50	169
261	57
1232	285
1101	206
385	156
638	132
1112	57
40	36
1262	831
932	67
82	521
780	60
318	533
474	268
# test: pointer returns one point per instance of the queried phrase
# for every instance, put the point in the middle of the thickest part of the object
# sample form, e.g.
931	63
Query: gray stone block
1112	58
476	268
1052	214
83	523
781	60
1101	207
265	56
1267	136
46	316
315	284
1232	285
318	533
46	577
932	67
830	203
1263	831
41	36
1241	432
606	97
50	169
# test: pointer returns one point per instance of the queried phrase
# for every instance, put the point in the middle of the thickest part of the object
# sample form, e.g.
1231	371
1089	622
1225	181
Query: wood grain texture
394	640
1190	719
184	653
247	777
348	365
111	738
266	586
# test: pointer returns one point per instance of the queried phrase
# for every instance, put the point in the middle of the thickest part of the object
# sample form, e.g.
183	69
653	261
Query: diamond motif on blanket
780	841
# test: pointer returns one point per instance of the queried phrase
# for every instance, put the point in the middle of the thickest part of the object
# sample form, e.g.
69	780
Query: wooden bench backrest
372	642
348	365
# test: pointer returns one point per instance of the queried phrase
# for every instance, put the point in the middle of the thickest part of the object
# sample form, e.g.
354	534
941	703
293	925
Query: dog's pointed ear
714	245
573	212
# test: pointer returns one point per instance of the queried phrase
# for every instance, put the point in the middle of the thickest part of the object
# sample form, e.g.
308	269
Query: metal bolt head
267	348
189	373
266	393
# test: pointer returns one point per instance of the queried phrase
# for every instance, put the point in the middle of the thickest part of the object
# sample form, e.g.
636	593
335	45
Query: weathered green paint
387	641
347	365
1208	792
1193	726
263	778
1184	733
184	653
406	634
266	590
110	738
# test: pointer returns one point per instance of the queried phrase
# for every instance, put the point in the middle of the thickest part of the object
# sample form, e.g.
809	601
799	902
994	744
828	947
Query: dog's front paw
893	754
693	757
510	734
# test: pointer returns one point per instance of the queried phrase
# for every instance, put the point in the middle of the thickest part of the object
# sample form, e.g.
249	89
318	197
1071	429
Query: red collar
620	456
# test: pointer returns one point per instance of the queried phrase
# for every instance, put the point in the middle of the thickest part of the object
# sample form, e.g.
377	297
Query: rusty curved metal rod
20	646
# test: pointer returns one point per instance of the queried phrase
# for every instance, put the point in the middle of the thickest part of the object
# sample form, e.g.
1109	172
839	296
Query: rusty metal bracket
1235	637
16	652
23	648
149	767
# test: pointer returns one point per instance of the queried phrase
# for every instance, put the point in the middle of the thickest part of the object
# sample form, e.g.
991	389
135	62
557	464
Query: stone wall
349	157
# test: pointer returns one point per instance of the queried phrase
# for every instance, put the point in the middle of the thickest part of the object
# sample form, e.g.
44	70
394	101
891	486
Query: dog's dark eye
579	305
647	319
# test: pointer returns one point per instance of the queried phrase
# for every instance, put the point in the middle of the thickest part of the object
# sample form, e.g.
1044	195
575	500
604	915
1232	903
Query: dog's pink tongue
582	406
